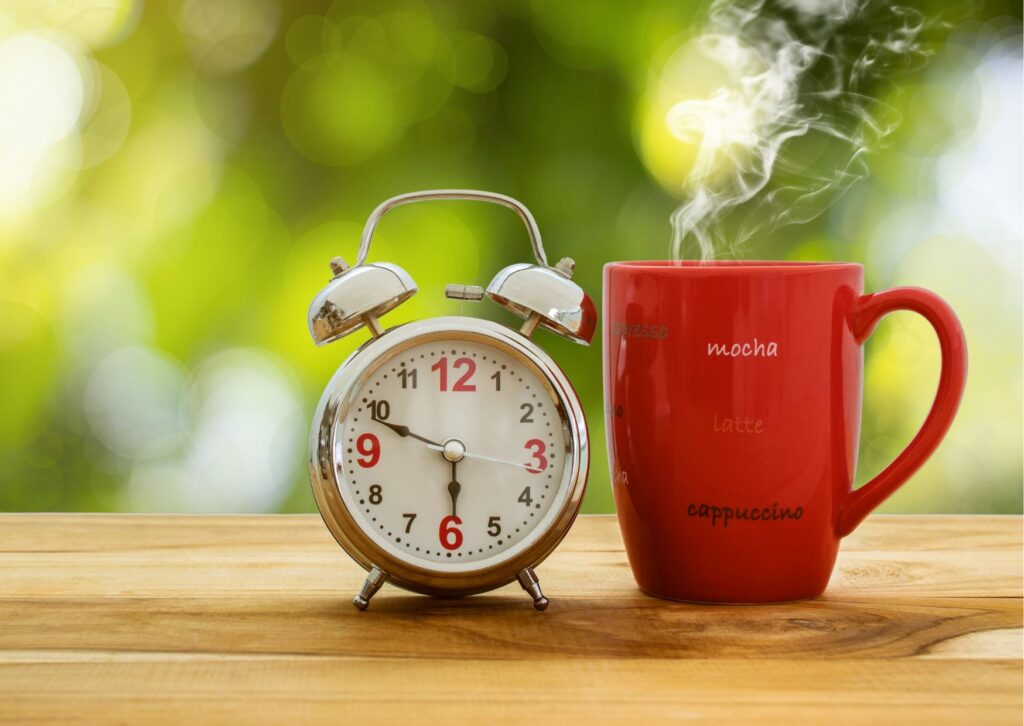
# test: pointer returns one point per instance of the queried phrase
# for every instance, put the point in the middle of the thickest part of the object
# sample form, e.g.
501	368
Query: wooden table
248	619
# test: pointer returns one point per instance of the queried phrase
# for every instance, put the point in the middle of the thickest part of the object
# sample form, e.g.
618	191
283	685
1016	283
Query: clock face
454	454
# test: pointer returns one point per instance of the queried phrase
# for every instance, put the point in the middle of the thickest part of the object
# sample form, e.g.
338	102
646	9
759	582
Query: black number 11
408	377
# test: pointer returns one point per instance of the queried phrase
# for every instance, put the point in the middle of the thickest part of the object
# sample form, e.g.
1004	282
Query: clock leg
528	579
373	582
529	326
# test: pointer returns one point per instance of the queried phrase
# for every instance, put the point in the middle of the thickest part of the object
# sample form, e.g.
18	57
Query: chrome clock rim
324	466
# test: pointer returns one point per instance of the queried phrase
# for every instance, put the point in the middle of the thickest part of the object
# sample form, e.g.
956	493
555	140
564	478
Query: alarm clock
449	456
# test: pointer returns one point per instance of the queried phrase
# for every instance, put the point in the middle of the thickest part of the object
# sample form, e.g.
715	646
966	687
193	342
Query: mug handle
867	311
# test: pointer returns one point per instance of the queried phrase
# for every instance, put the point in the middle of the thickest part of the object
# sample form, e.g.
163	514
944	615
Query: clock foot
528	579
373	582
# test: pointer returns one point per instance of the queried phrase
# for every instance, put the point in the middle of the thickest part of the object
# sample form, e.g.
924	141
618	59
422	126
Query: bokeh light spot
41	96
480	63
106	121
94	24
227	35
246	437
339	116
134	403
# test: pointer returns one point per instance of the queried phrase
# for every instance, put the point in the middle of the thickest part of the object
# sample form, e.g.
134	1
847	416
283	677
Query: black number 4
494	526
525	497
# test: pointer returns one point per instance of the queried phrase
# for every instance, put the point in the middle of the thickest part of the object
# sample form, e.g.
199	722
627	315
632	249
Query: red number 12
463	383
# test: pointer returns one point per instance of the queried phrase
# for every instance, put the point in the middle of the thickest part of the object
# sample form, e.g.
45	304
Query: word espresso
639	330
749	514
753	349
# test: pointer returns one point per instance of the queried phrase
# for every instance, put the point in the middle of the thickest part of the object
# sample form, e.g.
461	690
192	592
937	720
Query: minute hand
469	455
404	431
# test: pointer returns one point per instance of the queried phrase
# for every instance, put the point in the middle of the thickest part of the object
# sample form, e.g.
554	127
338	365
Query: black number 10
379	410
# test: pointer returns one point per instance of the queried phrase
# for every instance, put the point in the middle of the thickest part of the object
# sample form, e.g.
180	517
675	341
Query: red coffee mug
733	399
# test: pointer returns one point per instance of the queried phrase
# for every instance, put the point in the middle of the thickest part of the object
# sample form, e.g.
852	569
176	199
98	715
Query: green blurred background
175	177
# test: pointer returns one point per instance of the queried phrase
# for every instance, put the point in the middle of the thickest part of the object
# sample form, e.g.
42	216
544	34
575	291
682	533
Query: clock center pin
453	450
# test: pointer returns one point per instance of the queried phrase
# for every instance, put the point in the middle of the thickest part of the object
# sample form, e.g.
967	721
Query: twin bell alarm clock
449	456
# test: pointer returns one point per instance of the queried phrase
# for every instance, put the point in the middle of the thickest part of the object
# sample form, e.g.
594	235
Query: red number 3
369	446
540	462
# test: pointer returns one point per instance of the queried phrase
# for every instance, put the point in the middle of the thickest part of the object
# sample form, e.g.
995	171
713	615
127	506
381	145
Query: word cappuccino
749	514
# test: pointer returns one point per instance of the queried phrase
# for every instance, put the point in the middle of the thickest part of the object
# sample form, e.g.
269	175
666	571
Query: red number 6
449	534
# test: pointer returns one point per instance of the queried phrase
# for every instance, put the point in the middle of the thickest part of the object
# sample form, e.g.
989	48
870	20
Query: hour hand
454	488
404	431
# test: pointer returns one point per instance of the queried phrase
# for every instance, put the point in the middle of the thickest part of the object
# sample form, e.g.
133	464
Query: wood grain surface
239	619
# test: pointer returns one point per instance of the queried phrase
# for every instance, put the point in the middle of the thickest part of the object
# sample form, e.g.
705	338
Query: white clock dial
454	454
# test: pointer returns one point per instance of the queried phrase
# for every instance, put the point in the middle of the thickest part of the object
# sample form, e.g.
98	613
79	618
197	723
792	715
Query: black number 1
497	380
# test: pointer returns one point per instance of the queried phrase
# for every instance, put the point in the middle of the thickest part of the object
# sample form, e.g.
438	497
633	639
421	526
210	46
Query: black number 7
408	525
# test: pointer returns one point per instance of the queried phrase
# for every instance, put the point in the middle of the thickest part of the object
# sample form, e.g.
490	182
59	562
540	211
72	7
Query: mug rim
725	266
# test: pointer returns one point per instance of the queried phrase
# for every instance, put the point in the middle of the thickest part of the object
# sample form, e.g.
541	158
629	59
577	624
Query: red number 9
369	446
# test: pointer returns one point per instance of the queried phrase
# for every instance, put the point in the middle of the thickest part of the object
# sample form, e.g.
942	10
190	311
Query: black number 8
376	496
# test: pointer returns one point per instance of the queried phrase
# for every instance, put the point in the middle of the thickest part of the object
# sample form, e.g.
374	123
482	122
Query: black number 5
494	526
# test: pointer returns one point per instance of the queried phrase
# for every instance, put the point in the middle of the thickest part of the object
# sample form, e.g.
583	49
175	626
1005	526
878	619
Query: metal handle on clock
466	194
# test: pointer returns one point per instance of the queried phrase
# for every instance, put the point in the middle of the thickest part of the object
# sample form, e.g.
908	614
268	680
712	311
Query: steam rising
799	73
